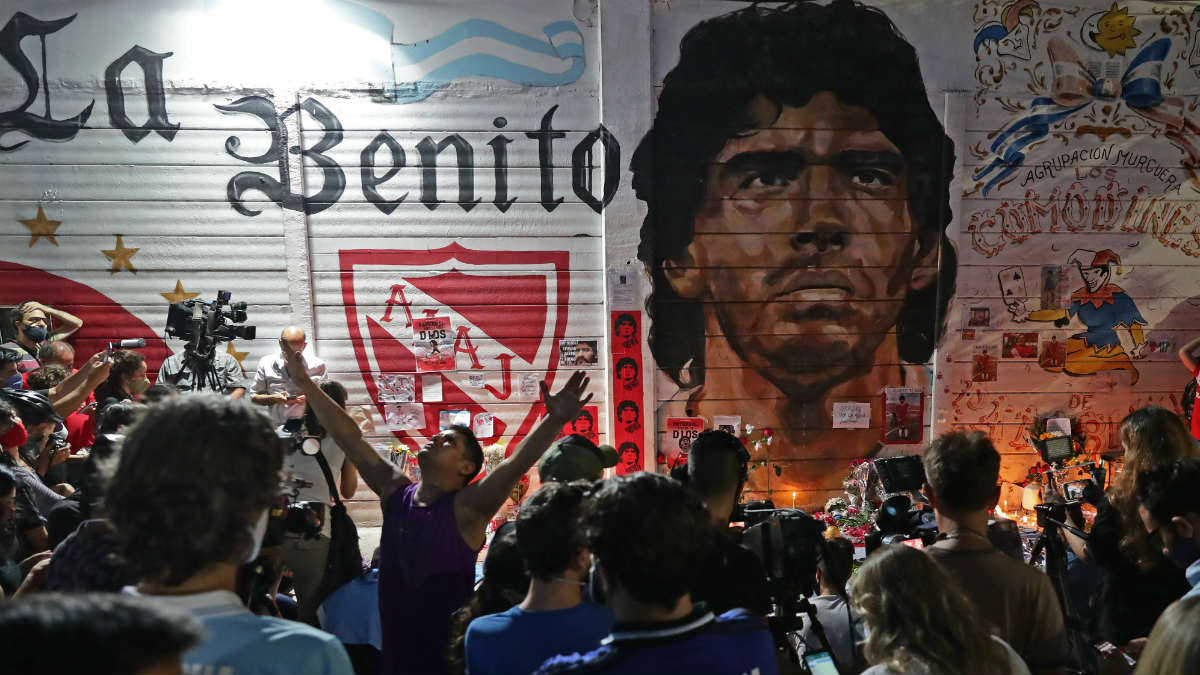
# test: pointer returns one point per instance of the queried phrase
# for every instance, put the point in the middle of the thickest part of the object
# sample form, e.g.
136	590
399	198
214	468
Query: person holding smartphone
274	388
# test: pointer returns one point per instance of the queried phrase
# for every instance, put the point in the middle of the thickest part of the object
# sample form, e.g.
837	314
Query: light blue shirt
1193	576
352	612
238	641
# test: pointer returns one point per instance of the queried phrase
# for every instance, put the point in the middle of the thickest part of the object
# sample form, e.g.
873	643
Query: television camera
204	325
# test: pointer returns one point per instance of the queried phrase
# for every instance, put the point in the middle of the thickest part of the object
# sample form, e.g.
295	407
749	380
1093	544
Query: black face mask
37	334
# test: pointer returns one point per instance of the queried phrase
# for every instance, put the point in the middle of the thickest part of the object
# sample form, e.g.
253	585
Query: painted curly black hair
194	472
787	55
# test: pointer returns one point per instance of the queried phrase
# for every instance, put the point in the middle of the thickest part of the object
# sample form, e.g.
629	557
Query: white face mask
257	532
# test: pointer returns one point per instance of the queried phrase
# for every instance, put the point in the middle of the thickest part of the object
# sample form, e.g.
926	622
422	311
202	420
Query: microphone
135	343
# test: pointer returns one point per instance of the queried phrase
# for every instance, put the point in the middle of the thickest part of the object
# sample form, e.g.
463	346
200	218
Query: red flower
830	521
766	433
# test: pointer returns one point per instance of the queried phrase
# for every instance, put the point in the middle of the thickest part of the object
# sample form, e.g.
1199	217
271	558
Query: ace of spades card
1012	285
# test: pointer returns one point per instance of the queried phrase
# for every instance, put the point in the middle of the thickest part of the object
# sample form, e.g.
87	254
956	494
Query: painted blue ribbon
1139	89
488	65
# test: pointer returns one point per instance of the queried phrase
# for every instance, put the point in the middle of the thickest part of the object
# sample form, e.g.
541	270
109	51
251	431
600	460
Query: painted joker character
1102	307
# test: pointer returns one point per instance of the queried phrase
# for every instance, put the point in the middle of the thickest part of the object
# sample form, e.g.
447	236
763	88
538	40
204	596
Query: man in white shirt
273	388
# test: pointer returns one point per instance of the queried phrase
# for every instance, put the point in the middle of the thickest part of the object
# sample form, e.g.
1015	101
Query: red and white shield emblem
507	311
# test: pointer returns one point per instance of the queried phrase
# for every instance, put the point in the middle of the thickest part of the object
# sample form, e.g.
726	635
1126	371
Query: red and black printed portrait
625	331
629	458
628	374
797	198
629	417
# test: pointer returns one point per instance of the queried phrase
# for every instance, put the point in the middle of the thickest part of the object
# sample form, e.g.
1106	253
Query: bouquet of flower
1039	431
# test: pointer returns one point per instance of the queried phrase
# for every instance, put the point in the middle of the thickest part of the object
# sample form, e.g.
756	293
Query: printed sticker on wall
449	417
431	388
624	288
629	458
681	431
529	387
629	418
626	333
432	343
730	423
579	353
404	416
483	424
584	424
851	415
903	415
476	380
983	364
1019	346
397	388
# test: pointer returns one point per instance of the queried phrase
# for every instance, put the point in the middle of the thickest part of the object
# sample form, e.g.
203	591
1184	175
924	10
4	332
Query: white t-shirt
1016	666
304	469
271	378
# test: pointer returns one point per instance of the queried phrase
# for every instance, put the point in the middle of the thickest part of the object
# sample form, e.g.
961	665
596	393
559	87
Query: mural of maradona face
805	265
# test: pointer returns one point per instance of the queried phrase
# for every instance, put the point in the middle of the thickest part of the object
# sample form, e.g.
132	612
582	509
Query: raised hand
566	404
294	364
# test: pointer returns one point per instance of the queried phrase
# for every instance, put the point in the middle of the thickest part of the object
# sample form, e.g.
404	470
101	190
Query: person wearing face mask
126	379
27	450
555	617
31	324
1169	507
189	502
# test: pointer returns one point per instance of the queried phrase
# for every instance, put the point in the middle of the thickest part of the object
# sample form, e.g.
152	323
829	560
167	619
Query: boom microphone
136	343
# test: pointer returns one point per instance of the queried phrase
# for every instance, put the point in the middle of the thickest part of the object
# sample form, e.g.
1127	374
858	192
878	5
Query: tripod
1055	549
204	373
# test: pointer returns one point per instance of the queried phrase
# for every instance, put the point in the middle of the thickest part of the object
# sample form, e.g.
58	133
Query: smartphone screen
820	663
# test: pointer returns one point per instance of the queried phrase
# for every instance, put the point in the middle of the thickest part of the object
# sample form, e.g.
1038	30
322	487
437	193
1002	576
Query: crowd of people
155	525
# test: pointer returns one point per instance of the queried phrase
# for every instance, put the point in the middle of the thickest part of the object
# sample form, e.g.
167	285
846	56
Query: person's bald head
295	337
58	353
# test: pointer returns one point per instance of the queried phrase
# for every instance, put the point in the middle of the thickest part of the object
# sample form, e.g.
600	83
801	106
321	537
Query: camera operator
837	617
731	575
1138	581
177	370
1169	506
646	532
31	321
273	388
433	529
305	556
962	473
554	618
189	502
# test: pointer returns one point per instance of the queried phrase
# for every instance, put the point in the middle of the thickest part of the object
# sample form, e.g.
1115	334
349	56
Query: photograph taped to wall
397	388
404	416
979	317
1052	353
984	364
1019	346
729	423
1054	287
903	415
483	425
446	418
577	353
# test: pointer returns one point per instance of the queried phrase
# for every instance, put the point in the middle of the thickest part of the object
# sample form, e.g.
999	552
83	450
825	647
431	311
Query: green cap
574	458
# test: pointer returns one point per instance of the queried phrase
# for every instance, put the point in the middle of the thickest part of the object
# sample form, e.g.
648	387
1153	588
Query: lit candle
793	500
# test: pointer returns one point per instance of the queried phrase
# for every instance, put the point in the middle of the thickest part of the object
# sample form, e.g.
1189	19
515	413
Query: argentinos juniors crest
507	312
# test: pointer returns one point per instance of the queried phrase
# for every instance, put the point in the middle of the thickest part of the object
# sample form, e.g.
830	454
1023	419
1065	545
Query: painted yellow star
236	354
120	257
41	227
178	295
